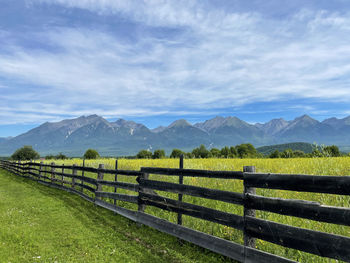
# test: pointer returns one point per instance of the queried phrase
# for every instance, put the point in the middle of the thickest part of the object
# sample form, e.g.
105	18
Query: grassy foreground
318	166
41	224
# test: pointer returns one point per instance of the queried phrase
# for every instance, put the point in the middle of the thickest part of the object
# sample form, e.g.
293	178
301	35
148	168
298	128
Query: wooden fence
315	242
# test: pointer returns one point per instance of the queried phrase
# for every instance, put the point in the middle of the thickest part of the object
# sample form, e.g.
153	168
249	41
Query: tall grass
316	166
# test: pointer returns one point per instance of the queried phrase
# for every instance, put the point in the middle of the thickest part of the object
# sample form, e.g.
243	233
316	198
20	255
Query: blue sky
156	61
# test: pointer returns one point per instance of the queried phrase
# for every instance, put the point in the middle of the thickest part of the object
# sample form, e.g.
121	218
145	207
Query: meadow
315	166
42	224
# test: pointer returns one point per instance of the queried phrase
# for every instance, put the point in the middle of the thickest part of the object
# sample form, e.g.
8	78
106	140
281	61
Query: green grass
42	224
317	166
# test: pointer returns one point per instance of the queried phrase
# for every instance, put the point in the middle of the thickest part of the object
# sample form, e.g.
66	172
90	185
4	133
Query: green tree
25	153
298	154
287	153
158	154
201	152
49	157
176	153
246	150
225	152
215	152
275	154
189	155
233	151
91	154
144	154
331	151
61	156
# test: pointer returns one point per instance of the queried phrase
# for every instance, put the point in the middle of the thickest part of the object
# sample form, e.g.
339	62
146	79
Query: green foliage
246	150
299	154
201	152
288	153
158	154
91	154
215	152
59	156
302	146
331	151
25	153
50	157
176	153
144	154
275	154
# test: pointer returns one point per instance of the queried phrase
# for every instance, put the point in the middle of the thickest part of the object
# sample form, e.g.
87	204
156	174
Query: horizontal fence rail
149	193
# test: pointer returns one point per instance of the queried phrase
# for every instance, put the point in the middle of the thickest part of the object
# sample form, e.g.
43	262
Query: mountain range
74	136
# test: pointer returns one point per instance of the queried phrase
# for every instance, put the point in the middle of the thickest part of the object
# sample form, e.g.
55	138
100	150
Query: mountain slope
123	137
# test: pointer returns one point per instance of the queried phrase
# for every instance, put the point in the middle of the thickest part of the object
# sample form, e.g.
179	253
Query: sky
156	61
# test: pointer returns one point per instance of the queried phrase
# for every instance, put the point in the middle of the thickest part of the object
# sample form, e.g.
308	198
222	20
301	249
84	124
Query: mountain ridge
124	137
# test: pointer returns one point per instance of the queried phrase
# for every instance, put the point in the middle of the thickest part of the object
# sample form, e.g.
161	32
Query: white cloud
220	59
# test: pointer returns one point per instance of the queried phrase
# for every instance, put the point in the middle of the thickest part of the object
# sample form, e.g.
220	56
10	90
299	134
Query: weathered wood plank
127	186
218	245
304	183
91	189
225	196
194	173
315	242
85	178
197	211
120	197
300	208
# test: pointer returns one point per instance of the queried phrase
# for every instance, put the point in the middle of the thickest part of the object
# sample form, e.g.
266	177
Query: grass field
317	166
42	224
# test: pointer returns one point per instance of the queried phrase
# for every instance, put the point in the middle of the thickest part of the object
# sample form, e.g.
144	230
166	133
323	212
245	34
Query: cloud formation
186	56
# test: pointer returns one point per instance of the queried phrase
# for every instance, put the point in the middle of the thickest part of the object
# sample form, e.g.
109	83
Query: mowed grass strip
42	224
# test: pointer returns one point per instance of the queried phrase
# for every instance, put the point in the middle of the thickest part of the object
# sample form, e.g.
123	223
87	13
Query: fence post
181	181
17	167
248	240
62	177
52	172
74	173
99	177
141	206
82	175
29	170
116	180
40	169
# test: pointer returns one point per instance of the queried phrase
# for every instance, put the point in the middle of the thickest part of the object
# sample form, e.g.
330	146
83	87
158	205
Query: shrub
91	154
158	154
144	154
61	156
25	153
176	153
201	152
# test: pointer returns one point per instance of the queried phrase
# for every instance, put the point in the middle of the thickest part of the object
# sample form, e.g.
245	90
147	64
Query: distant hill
302	146
125	138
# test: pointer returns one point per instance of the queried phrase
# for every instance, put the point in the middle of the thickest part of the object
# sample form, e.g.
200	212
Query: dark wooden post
141	206
52	173
248	240
62	177
40	169
22	171
116	180
100	177
75	172
181	181
18	168
82	175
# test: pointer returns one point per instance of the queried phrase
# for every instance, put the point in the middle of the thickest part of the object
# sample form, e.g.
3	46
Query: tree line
245	150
